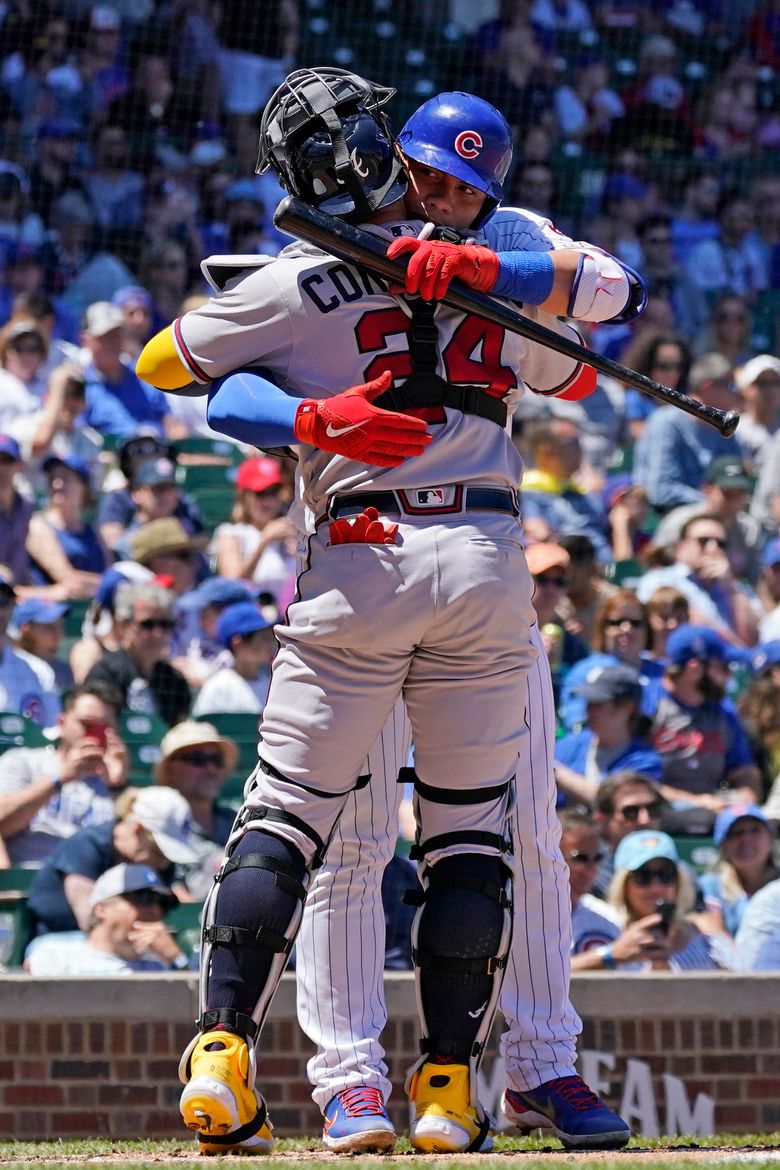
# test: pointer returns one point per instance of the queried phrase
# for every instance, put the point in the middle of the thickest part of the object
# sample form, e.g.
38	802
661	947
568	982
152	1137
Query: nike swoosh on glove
347	424
433	264
365	528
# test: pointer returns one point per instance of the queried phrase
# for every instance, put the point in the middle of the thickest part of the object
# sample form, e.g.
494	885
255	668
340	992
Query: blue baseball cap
771	554
729	816
72	462
216	591
120	572
637	849
9	446
689	641
133	294
35	609
242	619
610	684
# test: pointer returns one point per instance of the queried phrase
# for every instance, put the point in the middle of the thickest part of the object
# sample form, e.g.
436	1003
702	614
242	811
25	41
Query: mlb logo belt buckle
432	500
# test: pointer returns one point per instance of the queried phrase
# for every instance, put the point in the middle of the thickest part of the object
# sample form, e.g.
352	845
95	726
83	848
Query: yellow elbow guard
160	364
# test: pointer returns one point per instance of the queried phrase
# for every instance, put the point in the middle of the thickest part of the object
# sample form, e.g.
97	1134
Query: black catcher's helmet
324	133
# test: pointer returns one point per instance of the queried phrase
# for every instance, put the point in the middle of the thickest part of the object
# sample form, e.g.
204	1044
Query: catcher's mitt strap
461	837
284	876
238	1022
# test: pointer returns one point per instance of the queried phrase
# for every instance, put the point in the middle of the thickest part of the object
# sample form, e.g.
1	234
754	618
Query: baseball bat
357	246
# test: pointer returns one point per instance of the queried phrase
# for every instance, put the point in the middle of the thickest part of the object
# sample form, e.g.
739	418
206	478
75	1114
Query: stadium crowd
144	559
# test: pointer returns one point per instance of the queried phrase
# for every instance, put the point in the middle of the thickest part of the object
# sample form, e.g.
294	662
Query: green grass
726	1151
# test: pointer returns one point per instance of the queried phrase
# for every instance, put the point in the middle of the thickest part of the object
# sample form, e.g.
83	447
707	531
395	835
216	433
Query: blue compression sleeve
524	276
250	408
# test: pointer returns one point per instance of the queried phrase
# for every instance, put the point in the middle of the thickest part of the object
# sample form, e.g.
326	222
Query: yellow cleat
220	1104
445	1121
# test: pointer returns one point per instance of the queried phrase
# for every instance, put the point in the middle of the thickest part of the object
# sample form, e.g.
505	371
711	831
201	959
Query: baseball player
467	729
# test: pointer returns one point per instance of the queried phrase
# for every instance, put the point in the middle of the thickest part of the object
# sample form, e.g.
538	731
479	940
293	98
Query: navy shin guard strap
460	795
446	1046
418	897
284	875
241	1134
270	940
278	815
453	965
238	1022
461	837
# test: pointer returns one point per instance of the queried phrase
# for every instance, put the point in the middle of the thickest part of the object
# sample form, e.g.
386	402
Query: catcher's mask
324	133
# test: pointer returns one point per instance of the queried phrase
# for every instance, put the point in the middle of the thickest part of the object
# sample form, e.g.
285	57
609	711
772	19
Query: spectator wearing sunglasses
621	635
126	930
625	802
196	761
708	763
614	738
745	864
548	564
593	923
703	572
649	879
140	669
726	491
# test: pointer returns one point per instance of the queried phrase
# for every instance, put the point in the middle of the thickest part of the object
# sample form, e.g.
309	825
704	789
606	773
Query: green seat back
15	923
18	731
698	852
184	920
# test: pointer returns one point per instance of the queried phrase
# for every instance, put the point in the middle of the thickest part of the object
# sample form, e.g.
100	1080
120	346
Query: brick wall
66	1071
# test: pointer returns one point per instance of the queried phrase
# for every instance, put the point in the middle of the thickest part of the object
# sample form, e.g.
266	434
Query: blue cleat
356	1122
569	1108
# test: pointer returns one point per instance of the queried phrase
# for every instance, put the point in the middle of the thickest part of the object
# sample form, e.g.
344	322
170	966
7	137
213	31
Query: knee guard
463	927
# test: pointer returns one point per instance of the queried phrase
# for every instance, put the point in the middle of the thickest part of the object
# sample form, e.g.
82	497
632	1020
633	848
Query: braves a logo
360	167
468	144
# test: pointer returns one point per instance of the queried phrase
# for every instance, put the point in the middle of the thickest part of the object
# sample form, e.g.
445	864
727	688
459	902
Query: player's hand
365	528
433	264
348	424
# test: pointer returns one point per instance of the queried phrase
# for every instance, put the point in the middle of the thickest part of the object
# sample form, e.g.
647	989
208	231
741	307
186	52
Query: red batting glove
433	264
348	424
365	528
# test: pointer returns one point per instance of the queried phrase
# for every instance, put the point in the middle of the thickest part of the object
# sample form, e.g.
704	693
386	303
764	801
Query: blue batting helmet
462	135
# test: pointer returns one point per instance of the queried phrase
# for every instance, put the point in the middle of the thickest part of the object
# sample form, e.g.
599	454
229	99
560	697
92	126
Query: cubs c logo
468	143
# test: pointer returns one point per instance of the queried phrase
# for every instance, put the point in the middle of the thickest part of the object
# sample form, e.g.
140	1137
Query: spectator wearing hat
769	592
57	426
63	547
152	826
154	495
99	631
15	513
37	628
615	736
170	551
202	654
758	382
550	493
139	317
621	635
117	400
702	572
49	793
140	669
648	876
23	350
258	544
707	760
673	455
726	494
20	688
117	508
196	760
126	931
243	630
548	564
745	864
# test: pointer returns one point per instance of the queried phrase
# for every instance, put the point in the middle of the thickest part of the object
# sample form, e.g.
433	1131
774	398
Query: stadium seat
215	504
14	914
222	450
184	921
18	731
624	573
142	734
195	477
698	852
